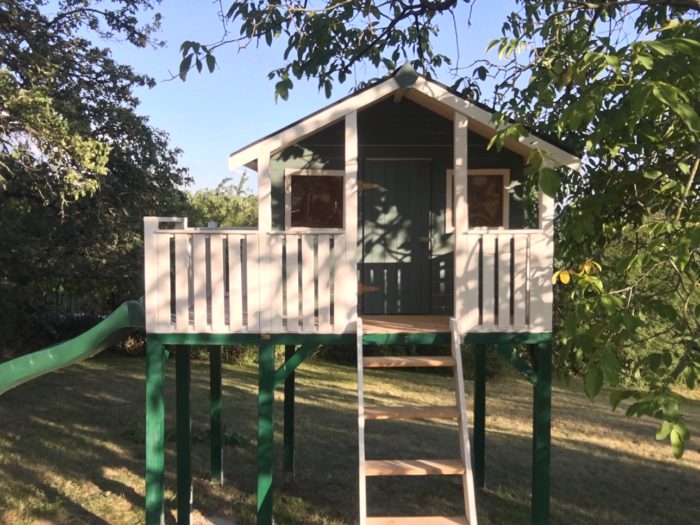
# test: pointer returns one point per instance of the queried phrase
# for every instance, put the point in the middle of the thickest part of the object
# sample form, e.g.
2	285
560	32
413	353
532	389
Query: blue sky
211	115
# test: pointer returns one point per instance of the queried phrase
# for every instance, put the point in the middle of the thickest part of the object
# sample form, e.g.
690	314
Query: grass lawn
71	451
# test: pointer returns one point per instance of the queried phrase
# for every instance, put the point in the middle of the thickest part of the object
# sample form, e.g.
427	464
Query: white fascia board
313	123
557	156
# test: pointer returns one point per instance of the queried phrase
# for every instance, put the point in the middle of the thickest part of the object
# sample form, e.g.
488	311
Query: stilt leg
479	414
266	371
217	449
541	434
289	419
184	435
155	430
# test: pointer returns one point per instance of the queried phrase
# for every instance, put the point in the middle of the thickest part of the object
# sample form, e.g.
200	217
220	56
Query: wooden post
216	428
346	290
464	289
289	418
184	434
155	430
266	376
541	433
479	414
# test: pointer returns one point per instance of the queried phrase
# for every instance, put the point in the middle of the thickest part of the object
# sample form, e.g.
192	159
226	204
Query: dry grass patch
71	451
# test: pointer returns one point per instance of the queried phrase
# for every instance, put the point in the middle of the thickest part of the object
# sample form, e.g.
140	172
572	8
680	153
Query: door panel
396	232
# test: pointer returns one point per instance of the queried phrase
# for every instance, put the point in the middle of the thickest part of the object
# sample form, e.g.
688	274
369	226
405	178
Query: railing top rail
498	231
207	231
315	231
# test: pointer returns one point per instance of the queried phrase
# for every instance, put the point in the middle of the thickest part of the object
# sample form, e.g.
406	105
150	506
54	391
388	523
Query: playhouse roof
404	82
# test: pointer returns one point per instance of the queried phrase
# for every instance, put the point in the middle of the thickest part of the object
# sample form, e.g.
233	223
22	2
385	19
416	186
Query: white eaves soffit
428	94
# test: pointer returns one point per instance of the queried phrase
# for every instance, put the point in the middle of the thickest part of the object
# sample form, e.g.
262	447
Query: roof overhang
428	93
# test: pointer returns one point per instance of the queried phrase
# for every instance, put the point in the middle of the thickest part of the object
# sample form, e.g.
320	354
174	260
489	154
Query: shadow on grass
71	451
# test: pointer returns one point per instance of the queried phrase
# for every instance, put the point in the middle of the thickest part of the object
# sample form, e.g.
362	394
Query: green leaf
664	430
185	66
610	365
617	396
677	444
549	182
593	382
211	62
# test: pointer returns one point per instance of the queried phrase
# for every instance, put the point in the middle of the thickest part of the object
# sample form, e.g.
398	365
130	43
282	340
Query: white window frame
450	191
288	173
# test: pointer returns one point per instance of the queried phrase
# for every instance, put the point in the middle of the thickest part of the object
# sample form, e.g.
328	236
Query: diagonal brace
522	366
291	364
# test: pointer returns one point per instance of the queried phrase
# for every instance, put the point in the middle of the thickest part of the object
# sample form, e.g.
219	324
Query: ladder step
427	412
417	520
379	362
414	467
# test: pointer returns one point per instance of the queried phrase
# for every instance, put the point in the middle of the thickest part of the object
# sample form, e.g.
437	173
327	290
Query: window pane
485	199
317	201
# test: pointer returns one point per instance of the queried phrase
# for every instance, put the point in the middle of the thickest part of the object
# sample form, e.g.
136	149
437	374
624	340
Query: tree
616	79
78	167
229	205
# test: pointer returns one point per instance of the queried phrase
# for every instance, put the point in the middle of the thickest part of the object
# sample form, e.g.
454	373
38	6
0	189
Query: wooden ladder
416	467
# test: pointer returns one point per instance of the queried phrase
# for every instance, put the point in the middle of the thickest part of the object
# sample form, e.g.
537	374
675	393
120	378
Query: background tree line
79	168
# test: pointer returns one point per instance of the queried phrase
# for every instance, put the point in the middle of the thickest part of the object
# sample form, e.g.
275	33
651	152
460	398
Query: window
487	199
314	198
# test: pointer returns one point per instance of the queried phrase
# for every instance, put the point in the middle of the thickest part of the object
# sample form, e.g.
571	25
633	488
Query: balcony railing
209	280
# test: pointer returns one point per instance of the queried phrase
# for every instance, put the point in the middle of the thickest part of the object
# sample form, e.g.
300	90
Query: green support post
155	430
184	434
217	432
541	433
479	414
289	418
266	395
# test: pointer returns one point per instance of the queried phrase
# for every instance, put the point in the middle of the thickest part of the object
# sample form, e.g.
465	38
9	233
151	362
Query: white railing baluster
307	282
182	285
488	306
470	288
292	278
324	283
273	278
504	281
235	284
520	281
199	277
216	251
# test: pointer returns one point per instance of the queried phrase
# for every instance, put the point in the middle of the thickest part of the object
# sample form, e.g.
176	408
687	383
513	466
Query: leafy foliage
326	40
78	167
228	205
619	80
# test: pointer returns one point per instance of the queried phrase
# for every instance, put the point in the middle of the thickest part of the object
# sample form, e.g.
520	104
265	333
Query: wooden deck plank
406	324
413	467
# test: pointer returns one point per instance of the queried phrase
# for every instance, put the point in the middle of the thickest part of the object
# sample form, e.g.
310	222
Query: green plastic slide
119	324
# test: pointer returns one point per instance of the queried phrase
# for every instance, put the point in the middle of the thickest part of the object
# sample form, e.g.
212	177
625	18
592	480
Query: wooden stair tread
413	467
417	520
411	412
427	361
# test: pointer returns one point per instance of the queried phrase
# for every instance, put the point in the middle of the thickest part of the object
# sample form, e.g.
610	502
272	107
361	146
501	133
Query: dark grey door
395	207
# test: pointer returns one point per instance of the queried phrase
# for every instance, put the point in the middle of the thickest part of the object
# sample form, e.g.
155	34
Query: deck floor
405	324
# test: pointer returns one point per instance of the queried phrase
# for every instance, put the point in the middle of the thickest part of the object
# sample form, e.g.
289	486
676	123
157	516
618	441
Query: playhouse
383	219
